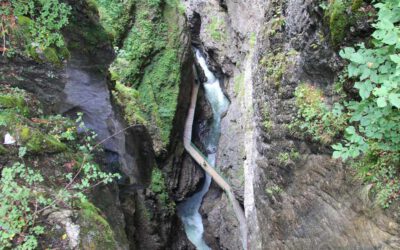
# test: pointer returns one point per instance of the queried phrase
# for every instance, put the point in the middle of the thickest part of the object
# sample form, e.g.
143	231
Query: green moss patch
37	142
3	150
340	15
217	29
338	21
128	98
149	64
14	99
159	187
96	232
238	86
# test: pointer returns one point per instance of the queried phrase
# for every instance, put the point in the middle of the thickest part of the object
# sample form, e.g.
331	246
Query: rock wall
226	32
263	50
138	217
319	202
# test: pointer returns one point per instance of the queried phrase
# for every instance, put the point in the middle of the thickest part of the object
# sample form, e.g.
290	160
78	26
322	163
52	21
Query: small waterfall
189	209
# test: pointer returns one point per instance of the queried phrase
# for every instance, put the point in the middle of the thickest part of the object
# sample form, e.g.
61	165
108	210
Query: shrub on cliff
32	24
372	120
45	165
374	131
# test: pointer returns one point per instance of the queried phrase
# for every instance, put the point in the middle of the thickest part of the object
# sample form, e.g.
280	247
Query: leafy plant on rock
374	132
315	117
37	23
25	192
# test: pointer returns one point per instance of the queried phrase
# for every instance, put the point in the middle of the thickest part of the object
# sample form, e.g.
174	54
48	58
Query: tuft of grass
160	189
273	190
216	28
239	85
286	157
315	118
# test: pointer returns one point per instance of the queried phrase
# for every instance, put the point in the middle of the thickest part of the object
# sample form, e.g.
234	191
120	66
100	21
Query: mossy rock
14	101
338	21
50	55
24	21
37	142
356	4
3	150
32	53
64	53
96	232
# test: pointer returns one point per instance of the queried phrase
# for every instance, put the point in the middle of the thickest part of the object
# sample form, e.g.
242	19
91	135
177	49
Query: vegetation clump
31	26
341	15
370	122
148	63
267	122
286	157
315	117
373	134
216	29
273	191
277	24
115	16
276	64
27	188
159	188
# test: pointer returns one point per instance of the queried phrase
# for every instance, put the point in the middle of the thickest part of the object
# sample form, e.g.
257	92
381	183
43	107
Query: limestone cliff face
263	50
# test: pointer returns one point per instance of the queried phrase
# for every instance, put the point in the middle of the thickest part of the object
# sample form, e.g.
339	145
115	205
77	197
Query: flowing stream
189	209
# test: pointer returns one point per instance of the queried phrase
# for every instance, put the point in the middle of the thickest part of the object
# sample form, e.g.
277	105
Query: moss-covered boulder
3	150
54	54
14	100
96	232
37	142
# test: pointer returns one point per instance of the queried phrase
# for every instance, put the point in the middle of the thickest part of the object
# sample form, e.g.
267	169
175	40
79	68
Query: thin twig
3	31
81	167
95	146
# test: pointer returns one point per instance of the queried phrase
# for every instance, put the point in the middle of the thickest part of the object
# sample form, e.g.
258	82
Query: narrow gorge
199	124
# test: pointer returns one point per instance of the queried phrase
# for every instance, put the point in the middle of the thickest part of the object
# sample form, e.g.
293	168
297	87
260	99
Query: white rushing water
189	209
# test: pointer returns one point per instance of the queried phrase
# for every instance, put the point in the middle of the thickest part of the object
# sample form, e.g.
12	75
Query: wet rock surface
222	29
220	222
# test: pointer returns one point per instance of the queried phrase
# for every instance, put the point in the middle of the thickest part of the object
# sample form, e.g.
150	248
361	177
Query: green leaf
381	101
21	152
357	58
336	155
395	58
365	88
391	38
350	130
346	52
382	91
394	99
